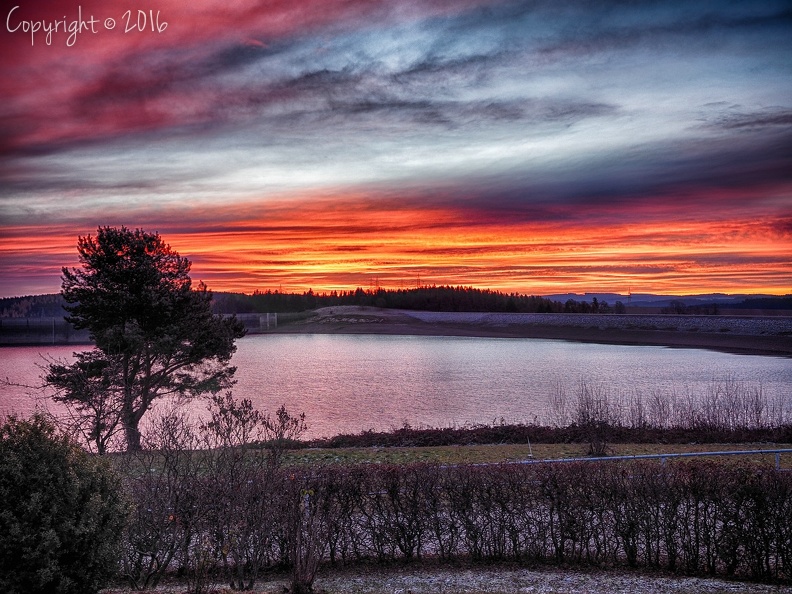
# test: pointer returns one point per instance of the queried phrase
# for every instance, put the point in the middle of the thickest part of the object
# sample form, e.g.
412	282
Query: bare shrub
637	412
344	493
238	478
306	531
596	415
163	482
397	503
660	409
443	530
280	430
728	405
559	406
232	422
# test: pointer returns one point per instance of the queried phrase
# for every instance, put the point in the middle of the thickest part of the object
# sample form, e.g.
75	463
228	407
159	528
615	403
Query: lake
350	383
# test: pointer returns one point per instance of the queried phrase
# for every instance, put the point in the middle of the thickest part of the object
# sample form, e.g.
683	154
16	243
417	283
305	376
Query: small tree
155	336
61	514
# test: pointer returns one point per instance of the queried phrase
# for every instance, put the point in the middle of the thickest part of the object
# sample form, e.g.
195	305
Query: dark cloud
433	66
664	175
735	258
769	118
455	114
585	27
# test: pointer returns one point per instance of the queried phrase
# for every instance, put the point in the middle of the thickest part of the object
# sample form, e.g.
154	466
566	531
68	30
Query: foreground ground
463	578
497	580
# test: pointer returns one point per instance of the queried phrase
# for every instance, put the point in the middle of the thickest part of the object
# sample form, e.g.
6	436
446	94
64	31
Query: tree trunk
130	420
132	433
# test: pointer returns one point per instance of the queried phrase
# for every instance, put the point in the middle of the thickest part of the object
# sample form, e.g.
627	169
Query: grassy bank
505	453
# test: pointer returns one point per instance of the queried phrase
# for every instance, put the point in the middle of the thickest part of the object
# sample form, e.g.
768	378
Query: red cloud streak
127	54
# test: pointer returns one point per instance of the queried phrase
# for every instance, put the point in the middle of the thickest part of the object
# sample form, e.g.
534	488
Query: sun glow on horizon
336	244
327	246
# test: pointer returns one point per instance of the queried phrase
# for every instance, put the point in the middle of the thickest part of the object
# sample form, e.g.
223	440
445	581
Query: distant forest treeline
434	298
32	306
423	298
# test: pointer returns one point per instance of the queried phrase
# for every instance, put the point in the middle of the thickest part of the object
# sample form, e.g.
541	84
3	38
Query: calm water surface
349	383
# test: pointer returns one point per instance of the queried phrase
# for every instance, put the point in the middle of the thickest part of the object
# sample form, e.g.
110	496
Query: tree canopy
155	334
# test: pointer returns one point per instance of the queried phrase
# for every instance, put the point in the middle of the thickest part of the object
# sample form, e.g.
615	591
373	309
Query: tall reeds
727	404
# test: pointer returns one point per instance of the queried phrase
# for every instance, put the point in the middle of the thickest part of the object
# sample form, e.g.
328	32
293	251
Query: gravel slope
741	334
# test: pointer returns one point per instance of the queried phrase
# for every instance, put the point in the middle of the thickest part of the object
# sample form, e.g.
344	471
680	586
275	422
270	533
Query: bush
61	515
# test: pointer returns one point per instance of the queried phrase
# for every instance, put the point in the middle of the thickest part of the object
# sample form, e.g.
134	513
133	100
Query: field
497	453
740	334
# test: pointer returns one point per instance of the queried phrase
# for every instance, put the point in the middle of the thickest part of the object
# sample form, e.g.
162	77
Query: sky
538	147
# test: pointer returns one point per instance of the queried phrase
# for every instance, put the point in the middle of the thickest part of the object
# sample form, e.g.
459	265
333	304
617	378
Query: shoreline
750	335
675	333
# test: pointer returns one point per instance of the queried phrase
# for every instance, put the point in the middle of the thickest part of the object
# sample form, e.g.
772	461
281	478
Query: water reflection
352	383
348	383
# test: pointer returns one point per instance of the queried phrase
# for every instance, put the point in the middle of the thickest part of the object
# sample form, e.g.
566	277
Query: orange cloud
343	244
347	241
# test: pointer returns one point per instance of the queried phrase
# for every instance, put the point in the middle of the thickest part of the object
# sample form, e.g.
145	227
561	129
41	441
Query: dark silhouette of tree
675	307
92	395
155	335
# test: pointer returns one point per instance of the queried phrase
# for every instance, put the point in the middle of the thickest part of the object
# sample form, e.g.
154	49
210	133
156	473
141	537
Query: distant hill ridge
438	299
738	301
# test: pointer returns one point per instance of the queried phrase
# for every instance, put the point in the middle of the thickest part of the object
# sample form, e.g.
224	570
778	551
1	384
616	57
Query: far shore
753	335
674	331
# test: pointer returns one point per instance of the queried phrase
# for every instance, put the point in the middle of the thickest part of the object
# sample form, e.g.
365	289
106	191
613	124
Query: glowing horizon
528	147
342	244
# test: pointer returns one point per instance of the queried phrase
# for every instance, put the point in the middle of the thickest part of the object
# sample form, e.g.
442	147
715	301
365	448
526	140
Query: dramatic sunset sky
536	146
